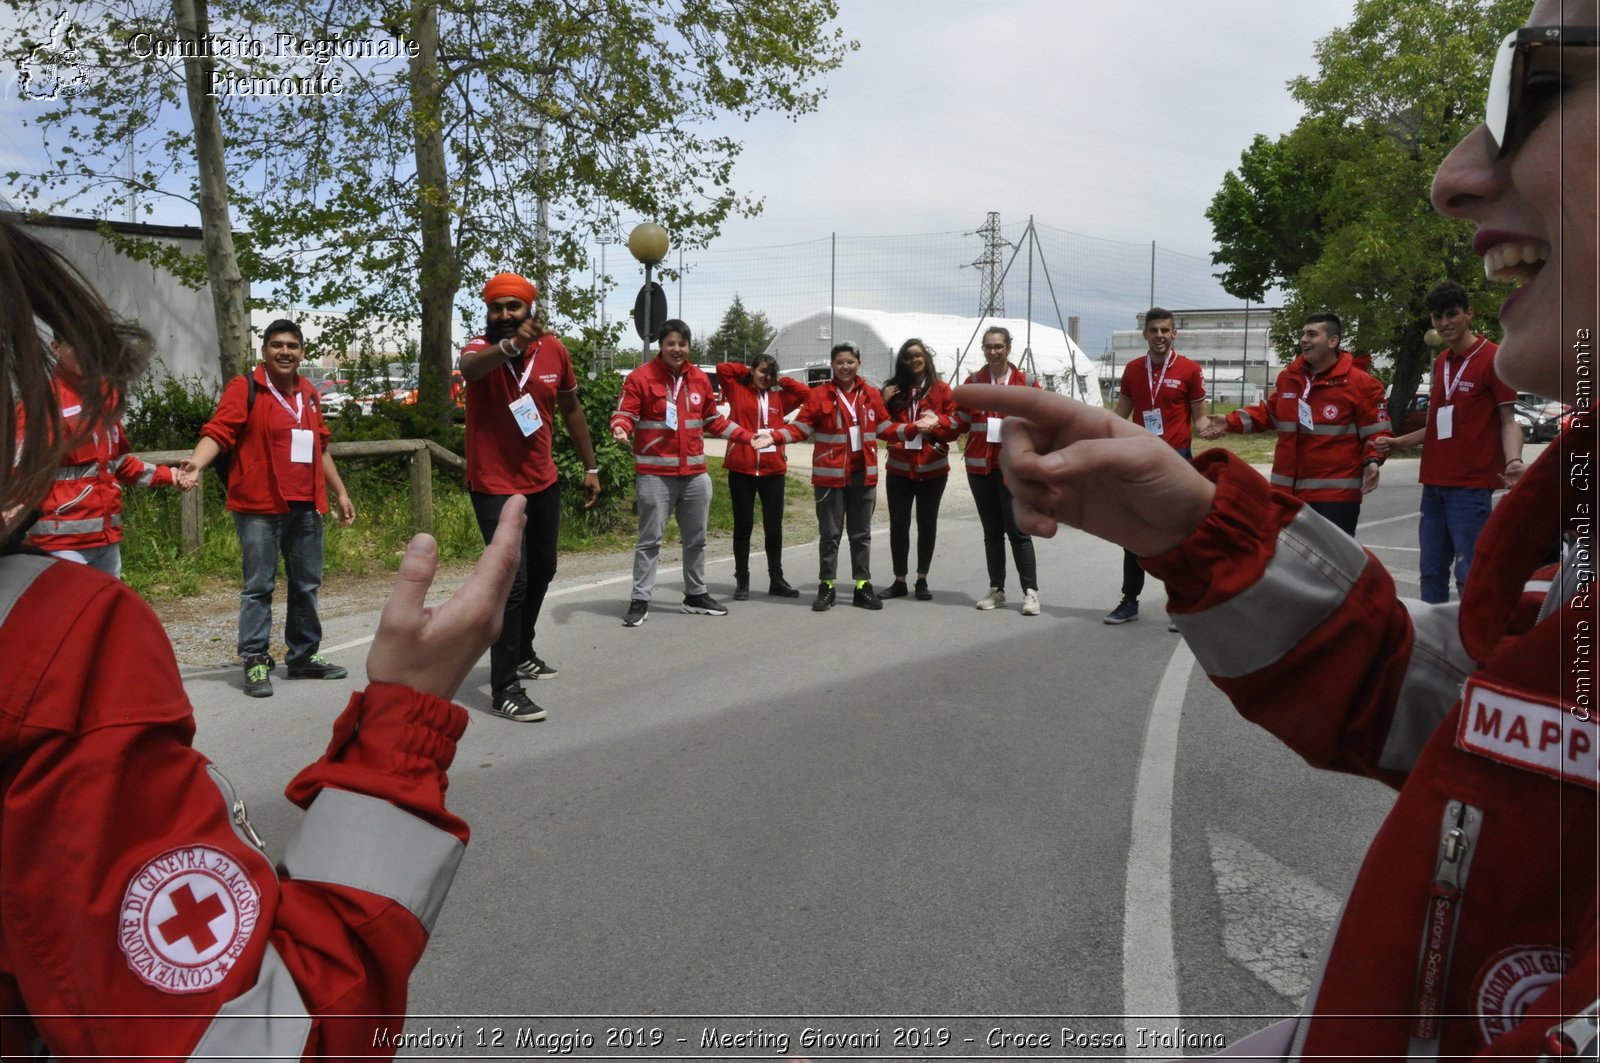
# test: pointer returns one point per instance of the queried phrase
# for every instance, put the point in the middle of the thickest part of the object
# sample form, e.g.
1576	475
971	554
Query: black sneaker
897	589
825	598
922	591
704	604
638	613
315	667
779	587
1126	610
257	681
515	706
741	590
865	598
534	668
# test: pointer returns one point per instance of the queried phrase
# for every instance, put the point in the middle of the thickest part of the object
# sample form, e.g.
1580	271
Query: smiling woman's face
1535	211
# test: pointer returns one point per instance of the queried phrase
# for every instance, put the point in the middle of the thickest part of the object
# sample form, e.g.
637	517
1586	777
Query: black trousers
535	570
743	490
1343	514
904	493
993	499
1132	571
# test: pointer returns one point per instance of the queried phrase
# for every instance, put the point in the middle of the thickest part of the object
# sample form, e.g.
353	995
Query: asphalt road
968	825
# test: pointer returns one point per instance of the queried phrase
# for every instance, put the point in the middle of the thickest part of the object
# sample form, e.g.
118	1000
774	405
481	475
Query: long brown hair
41	294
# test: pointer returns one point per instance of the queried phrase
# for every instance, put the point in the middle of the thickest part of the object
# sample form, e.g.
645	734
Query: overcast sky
1113	120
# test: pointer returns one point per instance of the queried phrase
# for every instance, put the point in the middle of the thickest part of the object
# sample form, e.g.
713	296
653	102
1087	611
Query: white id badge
915	442
991	432
768	450
1445	421
855	437
1305	414
527	414
1152	421
672	415
300	449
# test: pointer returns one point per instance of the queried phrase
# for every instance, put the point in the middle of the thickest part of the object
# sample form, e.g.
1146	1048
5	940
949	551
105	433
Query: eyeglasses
1509	81
995	346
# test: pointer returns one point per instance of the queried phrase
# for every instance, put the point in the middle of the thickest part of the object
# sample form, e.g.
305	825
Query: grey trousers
689	499
840	508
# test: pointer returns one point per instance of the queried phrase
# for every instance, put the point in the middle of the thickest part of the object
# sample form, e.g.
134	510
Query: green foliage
424	176
741	336
1336	212
166	412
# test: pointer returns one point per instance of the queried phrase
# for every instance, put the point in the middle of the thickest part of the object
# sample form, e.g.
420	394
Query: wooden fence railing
423	453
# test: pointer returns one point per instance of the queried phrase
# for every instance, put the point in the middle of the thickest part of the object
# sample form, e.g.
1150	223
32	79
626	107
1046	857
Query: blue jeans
1452	519
297	535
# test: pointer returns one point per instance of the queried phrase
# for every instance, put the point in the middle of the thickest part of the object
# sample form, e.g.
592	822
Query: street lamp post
648	243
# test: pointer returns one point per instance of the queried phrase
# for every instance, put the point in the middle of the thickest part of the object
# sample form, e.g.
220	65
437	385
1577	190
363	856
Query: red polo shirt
500	459
1472	456
1178	381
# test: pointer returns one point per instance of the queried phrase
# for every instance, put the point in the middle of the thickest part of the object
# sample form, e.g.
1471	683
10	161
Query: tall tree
741	336
1336	212
385	195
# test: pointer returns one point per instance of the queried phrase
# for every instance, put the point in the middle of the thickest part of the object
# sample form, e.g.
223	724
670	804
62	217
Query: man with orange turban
517	375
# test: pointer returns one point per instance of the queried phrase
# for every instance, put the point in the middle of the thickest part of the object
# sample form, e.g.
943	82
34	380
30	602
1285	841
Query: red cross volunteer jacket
826	420
745	408
1320	461
1471	927
983	454
931	460
659	449
142	918
84	506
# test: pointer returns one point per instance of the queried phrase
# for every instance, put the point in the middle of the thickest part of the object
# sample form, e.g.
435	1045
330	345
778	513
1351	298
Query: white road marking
1405	549
1389	520
1149	959
1274	919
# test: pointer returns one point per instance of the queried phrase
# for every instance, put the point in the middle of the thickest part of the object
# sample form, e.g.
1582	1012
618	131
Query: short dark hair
283	324
673	324
1326	318
1157	313
1447	295
1004	332
844	345
768	362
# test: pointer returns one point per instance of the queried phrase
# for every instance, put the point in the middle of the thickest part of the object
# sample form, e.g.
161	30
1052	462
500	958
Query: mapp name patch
1539	737
186	916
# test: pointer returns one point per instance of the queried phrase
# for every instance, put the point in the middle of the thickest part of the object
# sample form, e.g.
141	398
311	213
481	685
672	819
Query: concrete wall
180	318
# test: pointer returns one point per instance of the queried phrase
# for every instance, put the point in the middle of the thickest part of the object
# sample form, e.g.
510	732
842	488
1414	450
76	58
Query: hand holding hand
1069	463
761	440
432	648
185	479
1213	427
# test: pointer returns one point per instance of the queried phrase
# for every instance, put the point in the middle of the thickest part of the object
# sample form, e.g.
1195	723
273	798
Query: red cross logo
192	918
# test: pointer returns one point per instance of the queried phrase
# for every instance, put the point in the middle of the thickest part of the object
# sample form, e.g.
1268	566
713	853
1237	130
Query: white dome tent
954	340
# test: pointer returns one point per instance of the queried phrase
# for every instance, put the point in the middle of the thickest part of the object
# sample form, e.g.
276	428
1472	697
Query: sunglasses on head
1509	81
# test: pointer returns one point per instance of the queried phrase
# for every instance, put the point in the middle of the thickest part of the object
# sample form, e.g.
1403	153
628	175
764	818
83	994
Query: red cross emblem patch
186	916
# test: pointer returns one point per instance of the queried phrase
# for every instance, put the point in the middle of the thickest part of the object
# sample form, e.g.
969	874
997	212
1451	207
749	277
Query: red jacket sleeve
145	922
227	424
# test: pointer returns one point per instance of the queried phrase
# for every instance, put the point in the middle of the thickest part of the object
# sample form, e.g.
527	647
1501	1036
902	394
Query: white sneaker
1030	603
993	600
